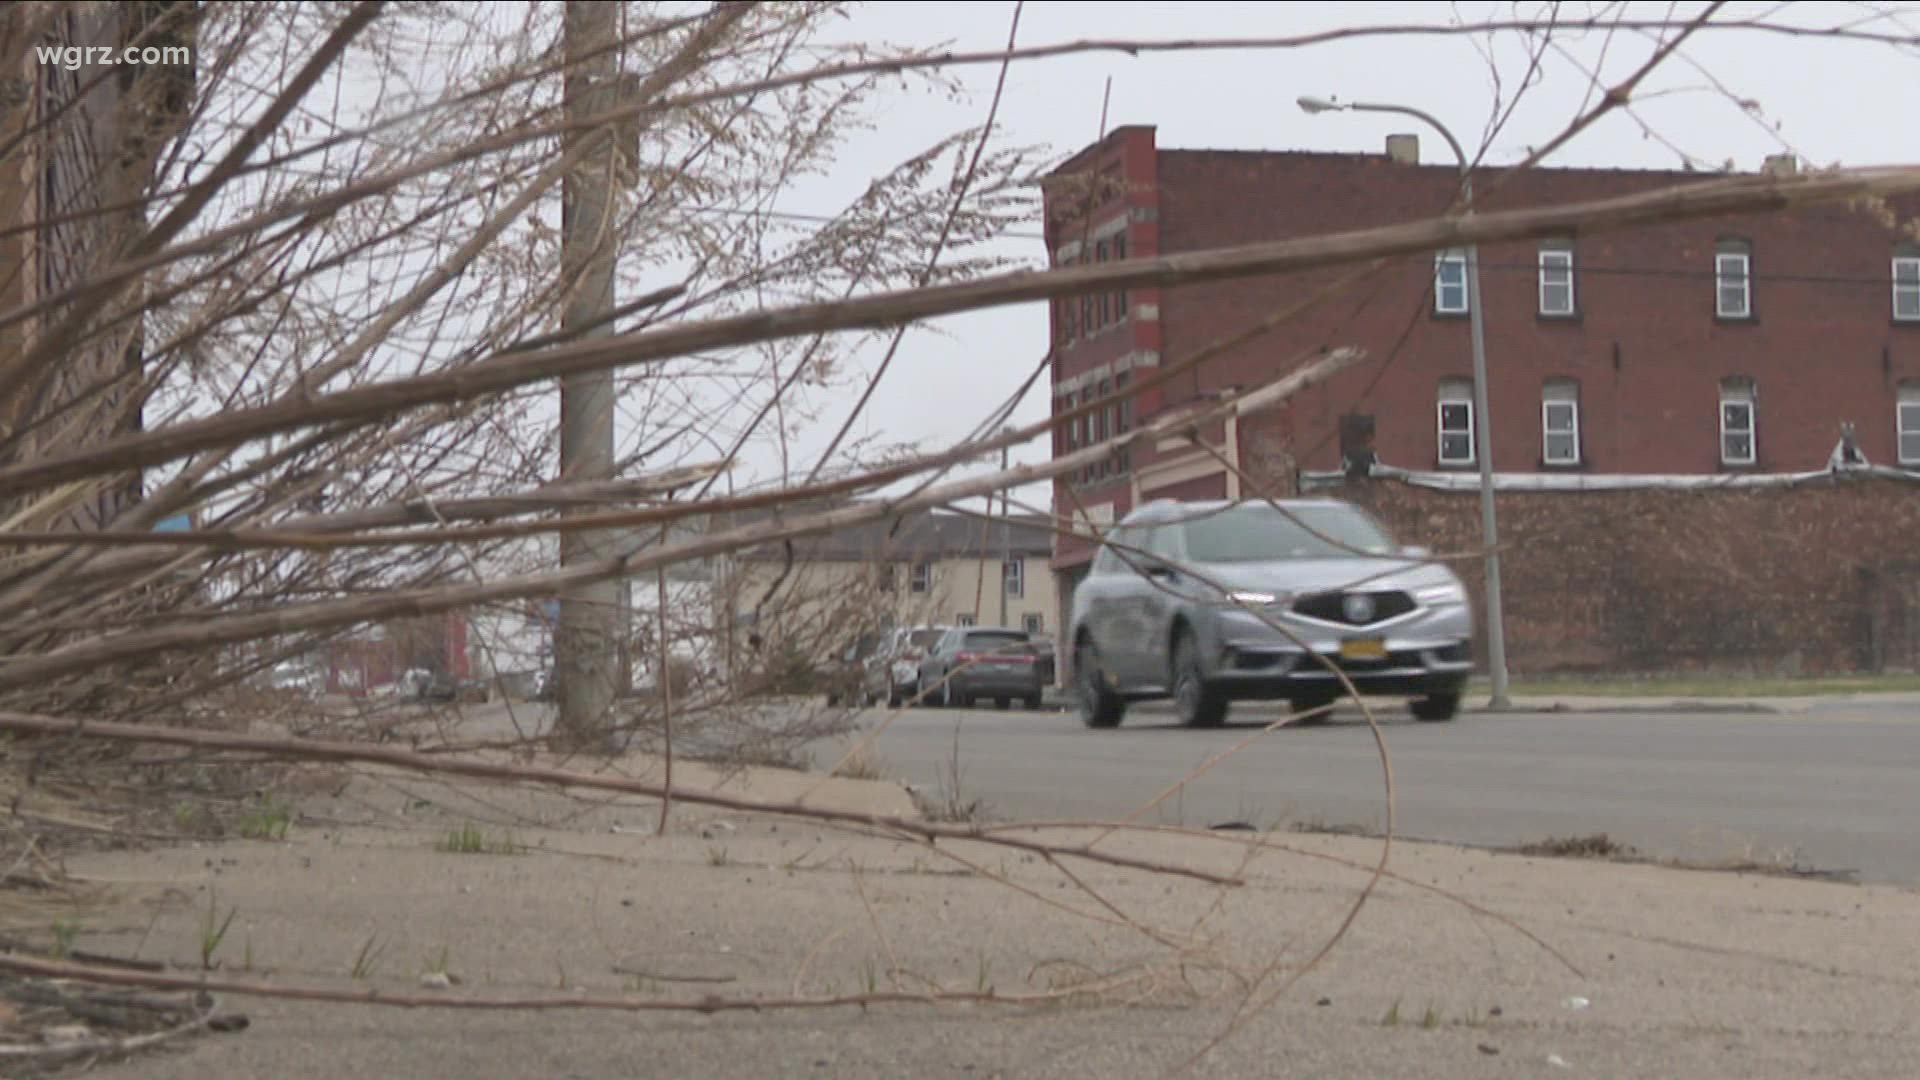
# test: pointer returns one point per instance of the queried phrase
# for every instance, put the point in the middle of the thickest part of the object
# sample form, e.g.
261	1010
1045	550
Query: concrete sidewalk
1665	972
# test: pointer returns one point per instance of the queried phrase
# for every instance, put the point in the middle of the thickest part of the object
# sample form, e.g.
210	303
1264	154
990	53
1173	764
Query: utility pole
1006	541
587	643
1482	422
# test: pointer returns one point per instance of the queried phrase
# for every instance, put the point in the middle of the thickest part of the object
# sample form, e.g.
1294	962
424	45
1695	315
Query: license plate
1363	649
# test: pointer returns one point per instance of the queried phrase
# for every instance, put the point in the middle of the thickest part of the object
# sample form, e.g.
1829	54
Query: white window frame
1722	281
1013	576
1743	397
920	578
1906	424
1440	288
1451	396
1033	623
1909	288
1556	260
1552	398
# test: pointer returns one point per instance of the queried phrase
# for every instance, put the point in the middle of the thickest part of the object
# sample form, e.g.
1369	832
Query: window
1456	422
1120	311
1013	575
1102	304
1736	422
1450	283
1556	281
1733	281
1906	288
1086	307
1907	423
965	618
1033	624
1123	460
883	577
1560	422
921	580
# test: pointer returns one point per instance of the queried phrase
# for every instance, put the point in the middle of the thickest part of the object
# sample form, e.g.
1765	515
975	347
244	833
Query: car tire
1199	705
893	697
1031	704
1436	708
1099	706
1003	704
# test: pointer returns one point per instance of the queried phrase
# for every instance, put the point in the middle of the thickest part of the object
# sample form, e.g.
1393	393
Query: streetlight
1496	625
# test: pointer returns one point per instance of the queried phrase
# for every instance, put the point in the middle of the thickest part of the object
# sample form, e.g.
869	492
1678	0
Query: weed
213	930
439	965
1430	1020
1392	1019
983	975
368	960
468	839
269	820
66	932
246	955
869	977
717	856
1595	846
950	804
640	984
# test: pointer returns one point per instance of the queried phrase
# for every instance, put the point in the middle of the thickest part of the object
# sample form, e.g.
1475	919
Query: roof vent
1404	149
1781	165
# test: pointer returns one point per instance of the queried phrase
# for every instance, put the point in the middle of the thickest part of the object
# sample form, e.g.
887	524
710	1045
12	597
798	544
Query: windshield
922	639
1256	532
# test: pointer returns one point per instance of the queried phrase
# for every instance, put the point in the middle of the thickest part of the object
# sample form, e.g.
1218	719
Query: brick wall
1819	578
1645	351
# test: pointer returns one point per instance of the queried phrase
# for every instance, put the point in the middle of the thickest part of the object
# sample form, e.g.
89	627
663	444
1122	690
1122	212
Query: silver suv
1174	602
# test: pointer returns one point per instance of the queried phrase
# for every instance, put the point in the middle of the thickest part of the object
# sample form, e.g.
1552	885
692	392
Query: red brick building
1726	349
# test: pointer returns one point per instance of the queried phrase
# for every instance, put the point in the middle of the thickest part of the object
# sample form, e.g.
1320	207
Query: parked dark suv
971	662
1178	602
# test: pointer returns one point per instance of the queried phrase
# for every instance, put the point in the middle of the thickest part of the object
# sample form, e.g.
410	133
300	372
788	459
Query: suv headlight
1441	595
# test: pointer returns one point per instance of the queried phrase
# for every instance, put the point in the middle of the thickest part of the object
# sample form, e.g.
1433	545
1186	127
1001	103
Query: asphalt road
1837	789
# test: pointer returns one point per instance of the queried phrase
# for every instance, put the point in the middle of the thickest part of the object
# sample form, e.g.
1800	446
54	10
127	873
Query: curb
1665	708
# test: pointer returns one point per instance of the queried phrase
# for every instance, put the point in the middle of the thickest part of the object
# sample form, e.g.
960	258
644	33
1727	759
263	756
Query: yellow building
921	569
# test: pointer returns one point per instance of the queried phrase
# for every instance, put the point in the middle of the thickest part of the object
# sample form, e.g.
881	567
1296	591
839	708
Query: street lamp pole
1482	427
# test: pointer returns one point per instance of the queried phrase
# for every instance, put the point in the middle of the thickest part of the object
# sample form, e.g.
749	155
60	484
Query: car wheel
893	697
1002	703
1436	707
1200	705
1099	706
1032	703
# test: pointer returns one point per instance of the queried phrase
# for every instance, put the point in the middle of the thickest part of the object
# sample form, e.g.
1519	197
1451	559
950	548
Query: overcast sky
1833	102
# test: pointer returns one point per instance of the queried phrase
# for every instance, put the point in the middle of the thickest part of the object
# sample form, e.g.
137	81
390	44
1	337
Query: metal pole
1006	542
1482	425
587	645
1483	435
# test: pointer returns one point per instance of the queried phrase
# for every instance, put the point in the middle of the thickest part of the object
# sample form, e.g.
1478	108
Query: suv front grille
1332	607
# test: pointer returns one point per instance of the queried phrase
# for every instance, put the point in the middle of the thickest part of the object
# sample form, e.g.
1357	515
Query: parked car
844	677
893	672
970	662
1177	601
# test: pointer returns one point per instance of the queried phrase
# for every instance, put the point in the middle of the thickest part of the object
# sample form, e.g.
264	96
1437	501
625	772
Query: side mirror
1415	551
